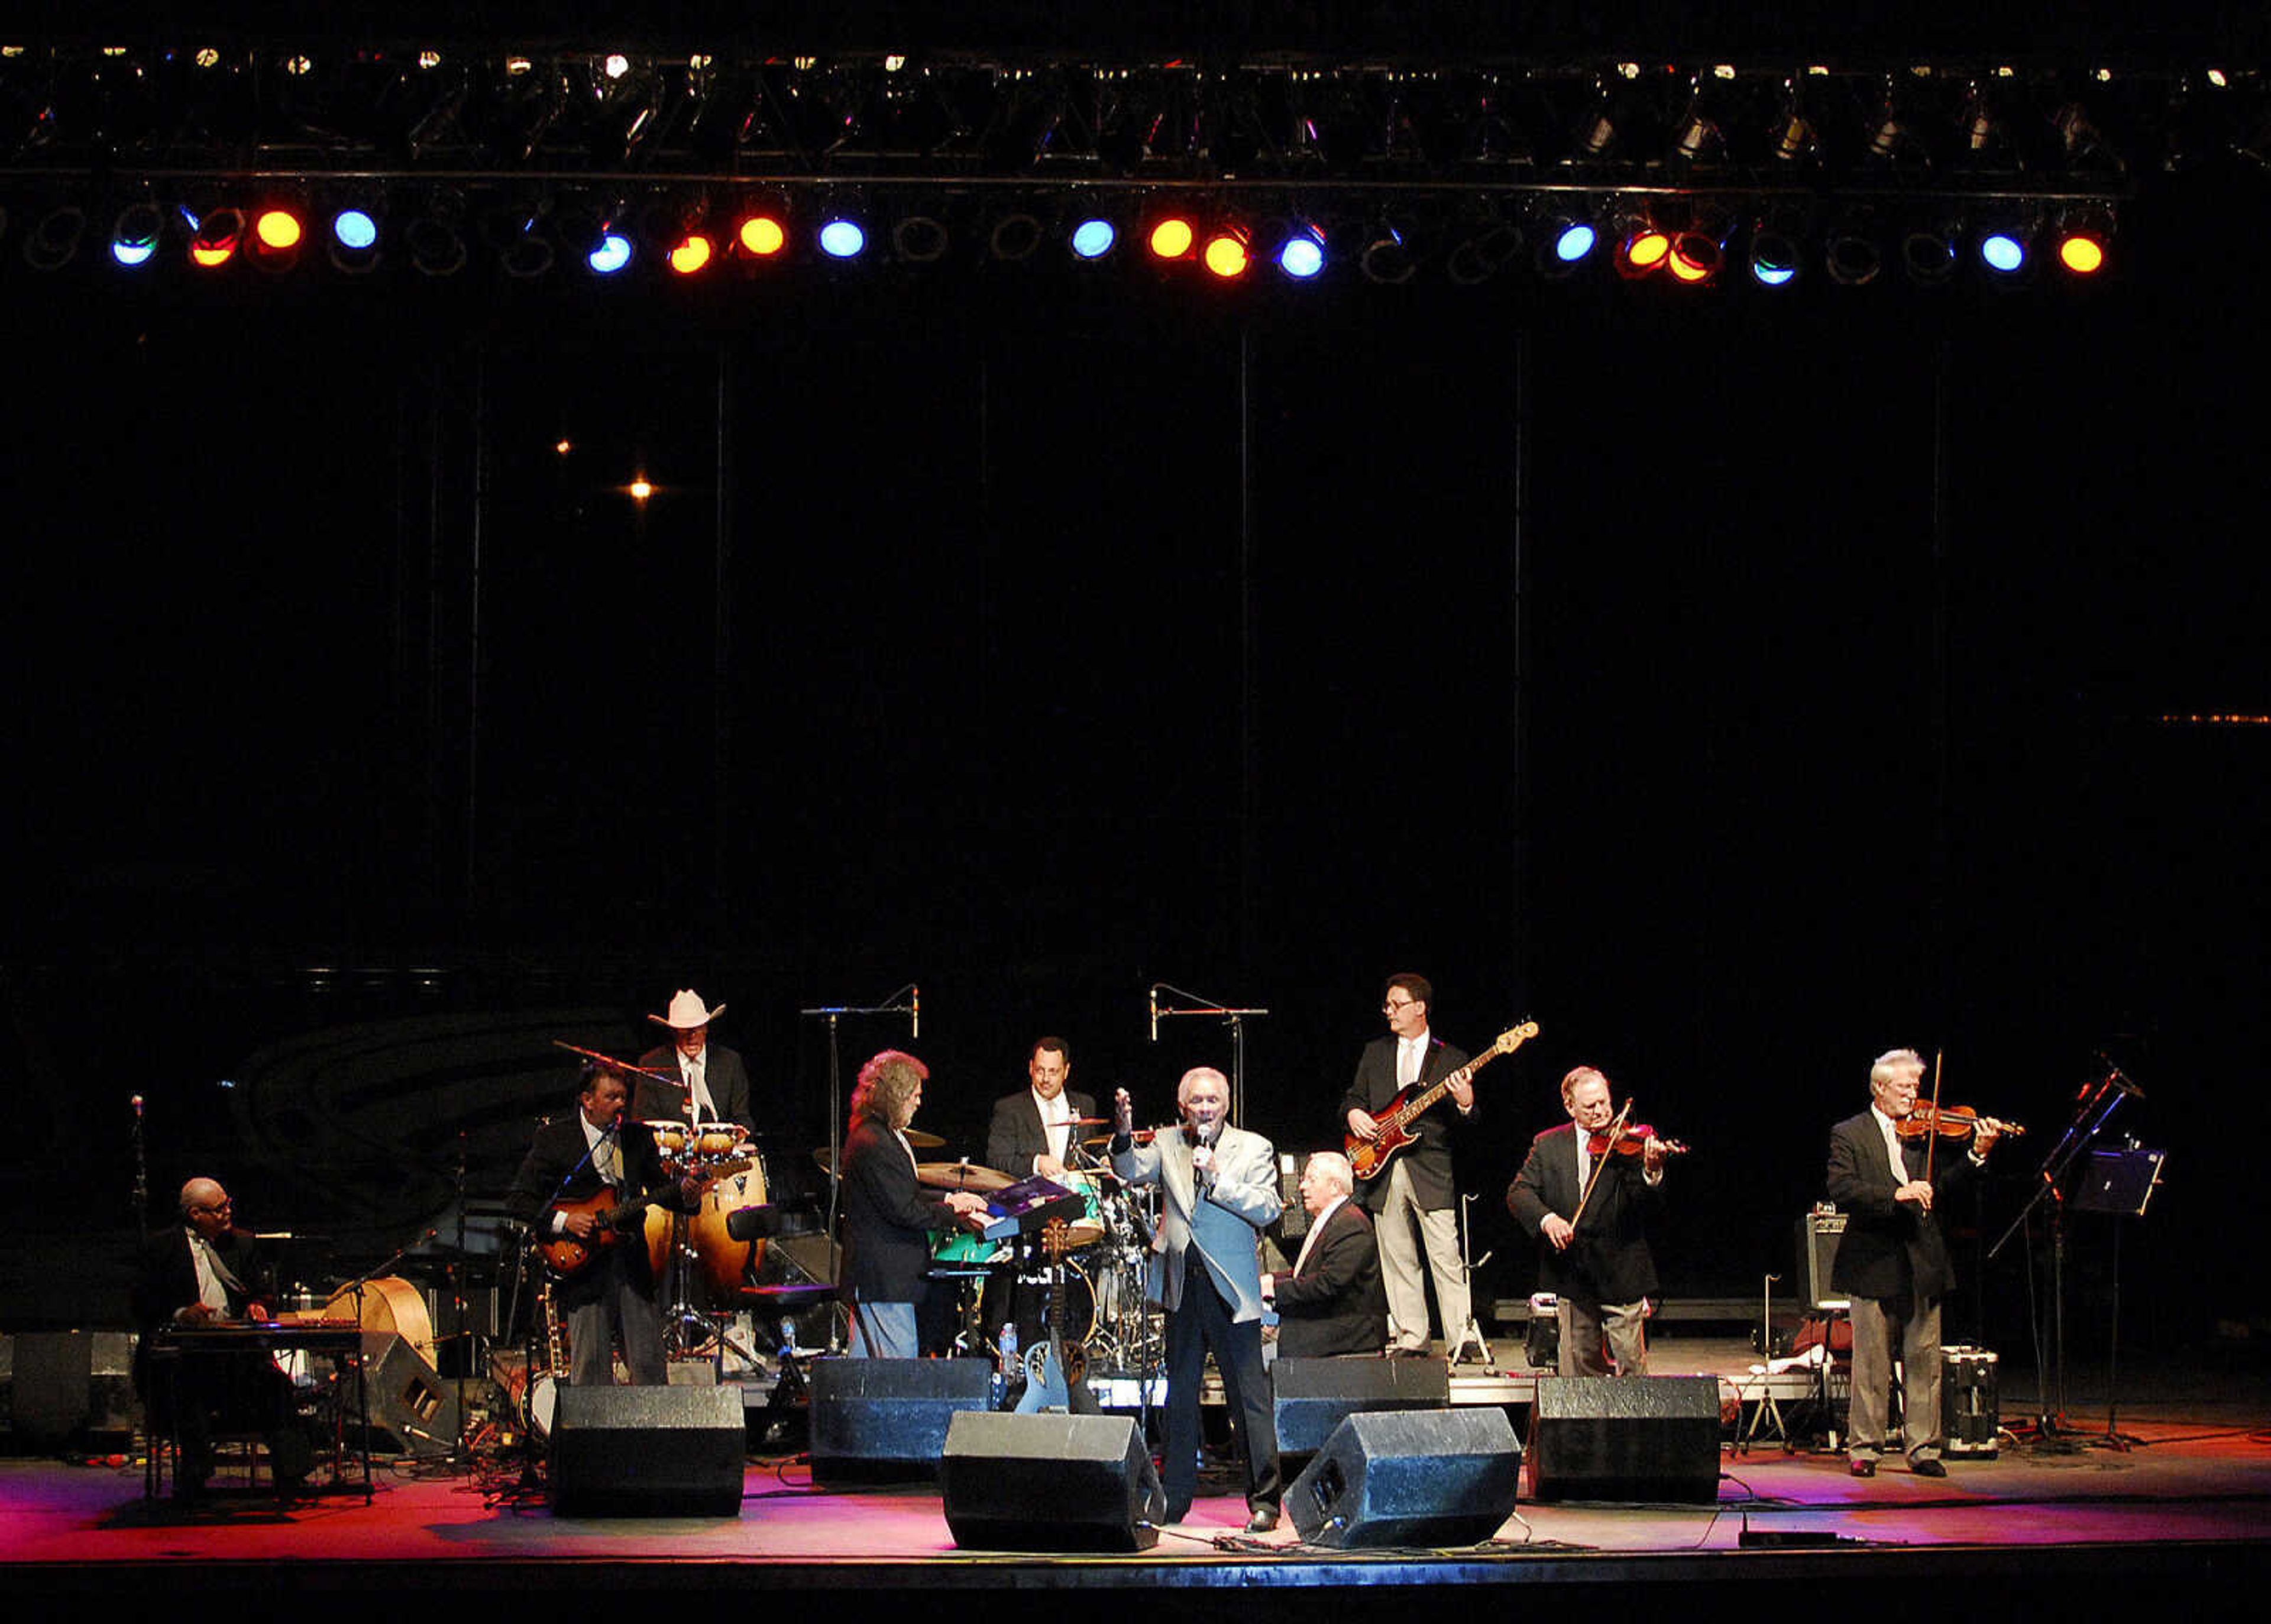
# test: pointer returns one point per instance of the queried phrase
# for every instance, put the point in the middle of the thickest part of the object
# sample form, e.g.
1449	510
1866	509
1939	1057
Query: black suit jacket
1889	1248
1016	1136
1336	1304
168	1281
558	1168
1608	1260
886	1219
1430	1154
722	1070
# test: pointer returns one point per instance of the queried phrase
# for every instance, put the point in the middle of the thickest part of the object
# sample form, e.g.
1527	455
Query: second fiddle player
1586	1192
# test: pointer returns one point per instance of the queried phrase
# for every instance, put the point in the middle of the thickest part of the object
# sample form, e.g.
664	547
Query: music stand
2120	1183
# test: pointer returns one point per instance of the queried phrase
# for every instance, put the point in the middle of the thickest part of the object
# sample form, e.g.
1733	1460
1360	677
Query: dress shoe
1400	1352
1178	1513
1928	1467
1860	1466
1263	1520
1470	1354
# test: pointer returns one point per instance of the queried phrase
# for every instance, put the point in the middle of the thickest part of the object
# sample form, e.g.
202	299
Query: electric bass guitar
1369	1156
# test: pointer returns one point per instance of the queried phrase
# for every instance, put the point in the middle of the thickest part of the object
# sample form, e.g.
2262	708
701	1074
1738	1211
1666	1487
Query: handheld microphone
1155	1011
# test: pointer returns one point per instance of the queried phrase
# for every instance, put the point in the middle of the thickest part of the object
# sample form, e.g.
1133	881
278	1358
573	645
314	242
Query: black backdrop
1740	687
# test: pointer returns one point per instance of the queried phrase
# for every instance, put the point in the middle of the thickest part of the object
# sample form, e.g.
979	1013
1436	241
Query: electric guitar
612	1218
1056	1371
1368	1158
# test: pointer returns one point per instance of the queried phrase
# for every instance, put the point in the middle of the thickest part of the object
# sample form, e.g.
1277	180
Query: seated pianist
205	1271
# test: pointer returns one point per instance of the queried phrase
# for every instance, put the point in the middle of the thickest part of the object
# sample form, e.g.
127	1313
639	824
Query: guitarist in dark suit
1596	1259
575	1162
1417	1188
1330	1300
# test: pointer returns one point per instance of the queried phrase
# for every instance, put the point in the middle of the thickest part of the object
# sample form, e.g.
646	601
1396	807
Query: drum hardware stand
2094	1107
833	1013
1472	1333
1234	1018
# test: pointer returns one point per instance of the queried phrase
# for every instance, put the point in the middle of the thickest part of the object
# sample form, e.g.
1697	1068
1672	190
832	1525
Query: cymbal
794	1291
1142	1136
1092	1121
916	1137
962	1176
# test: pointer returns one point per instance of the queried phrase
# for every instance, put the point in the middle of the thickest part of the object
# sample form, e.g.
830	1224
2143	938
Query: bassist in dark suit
1416	1188
574	1161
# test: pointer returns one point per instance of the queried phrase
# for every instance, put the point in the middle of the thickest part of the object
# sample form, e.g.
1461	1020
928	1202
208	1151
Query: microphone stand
833	1014
1234	1018
2093	1108
141	1175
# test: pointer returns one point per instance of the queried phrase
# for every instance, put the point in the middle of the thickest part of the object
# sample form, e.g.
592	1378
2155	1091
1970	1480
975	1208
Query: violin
1952	1123
1628	1142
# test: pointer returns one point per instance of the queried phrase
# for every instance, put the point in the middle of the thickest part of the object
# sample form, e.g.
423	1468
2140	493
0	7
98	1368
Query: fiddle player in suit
1892	1262
1219	1189
1595	1260
1330	1300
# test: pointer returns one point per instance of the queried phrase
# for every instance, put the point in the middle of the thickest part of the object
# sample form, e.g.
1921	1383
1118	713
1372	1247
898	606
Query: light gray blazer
1222	1222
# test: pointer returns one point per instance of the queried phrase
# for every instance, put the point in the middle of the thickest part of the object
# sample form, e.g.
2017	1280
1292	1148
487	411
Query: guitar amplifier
1819	1233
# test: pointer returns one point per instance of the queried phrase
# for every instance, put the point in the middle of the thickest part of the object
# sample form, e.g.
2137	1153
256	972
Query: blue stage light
1093	239
1302	256
2003	252
842	239
354	230
1574	243
612	254
134	239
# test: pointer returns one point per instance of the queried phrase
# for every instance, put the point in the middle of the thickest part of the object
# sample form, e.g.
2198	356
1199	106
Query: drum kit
1105	1270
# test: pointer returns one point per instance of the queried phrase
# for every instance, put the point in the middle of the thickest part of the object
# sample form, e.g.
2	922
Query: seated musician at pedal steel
1595	1260
206	1272
887	1215
1219	1186
1892	1262
1417	1186
1330	1300
581	1171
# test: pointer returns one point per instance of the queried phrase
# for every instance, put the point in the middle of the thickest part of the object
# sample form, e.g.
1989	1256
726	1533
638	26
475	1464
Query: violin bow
1616	1131
1931	1139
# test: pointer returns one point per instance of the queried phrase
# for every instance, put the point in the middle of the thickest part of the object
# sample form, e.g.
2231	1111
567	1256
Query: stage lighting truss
541	162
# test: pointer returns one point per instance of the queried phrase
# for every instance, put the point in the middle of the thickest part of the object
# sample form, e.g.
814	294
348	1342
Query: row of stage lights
275	238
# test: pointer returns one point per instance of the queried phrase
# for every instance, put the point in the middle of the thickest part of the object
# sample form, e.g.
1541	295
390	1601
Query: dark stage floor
2179	1519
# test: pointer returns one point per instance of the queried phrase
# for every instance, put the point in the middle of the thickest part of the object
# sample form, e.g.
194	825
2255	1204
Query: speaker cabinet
1647	1438
884	1420
1419	1478
1050	1483
66	1389
1314	1395
647	1451
412	1405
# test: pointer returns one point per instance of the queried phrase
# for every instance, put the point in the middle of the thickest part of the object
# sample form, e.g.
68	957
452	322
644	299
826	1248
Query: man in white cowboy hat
716	1088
